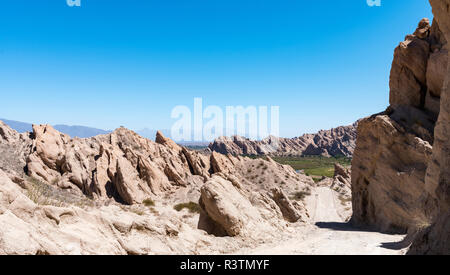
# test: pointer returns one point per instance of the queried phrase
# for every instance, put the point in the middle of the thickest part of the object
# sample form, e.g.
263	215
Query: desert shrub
300	195
44	194
154	211
137	211
148	202
191	206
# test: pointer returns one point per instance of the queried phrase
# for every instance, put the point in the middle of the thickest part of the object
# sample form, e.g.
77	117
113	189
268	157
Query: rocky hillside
400	178
123	194
340	141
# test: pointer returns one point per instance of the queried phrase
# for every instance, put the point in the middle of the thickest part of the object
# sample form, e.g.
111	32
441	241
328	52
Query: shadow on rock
343	226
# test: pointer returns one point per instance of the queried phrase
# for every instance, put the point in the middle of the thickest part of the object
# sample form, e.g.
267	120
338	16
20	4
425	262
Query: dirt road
329	235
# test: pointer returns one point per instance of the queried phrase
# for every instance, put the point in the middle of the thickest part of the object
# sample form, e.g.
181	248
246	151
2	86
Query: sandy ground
329	235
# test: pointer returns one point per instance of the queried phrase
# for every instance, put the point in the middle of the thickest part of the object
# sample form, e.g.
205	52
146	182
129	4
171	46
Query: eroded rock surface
418	69
435	239
117	194
400	169
388	176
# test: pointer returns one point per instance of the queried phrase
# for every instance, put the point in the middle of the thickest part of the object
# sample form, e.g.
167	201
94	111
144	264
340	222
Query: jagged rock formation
396	149
340	141
69	195
418	69
388	175
120	165
13	149
225	200
342	180
435	239
341	186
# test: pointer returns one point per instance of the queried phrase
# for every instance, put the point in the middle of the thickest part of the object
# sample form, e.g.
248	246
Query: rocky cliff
435	239
123	194
400	161
339	141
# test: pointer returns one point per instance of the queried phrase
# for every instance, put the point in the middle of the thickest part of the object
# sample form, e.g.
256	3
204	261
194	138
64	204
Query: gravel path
329	235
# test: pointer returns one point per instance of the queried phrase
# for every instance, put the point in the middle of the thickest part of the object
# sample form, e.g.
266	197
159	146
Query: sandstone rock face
28	228
251	190
339	141
388	175
394	151
287	208
226	207
342	182
14	148
418	69
341	186
116	194
233	206
120	165
435	239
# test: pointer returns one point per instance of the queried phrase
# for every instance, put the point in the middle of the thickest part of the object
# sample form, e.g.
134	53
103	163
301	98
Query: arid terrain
100	196
119	193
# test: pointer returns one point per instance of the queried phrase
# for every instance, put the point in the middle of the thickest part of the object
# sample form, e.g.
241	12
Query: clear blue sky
129	62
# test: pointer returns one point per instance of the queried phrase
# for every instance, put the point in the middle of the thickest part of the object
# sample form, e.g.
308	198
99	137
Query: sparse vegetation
44	194
196	147
421	222
148	203
314	165
317	179
191	206
300	195
154	211
137	211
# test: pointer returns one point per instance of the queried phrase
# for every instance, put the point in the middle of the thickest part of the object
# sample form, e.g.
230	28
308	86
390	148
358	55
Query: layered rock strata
339	141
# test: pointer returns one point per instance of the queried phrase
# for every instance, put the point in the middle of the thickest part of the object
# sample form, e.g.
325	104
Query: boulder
290	213
226	207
